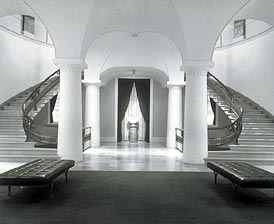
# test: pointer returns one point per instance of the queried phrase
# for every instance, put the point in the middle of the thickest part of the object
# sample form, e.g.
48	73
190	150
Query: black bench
242	174
40	172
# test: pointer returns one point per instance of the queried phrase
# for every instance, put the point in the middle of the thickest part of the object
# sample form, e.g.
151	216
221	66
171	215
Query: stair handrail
31	103
232	130
29	124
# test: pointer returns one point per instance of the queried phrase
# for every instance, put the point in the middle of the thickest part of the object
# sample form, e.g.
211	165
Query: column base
76	158
95	144
193	161
171	145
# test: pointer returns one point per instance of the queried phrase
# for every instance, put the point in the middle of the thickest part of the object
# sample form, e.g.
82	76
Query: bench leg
215	177
235	188
51	189
66	174
9	191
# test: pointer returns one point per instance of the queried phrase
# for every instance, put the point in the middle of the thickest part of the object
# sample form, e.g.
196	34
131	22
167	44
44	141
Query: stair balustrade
44	133
218	136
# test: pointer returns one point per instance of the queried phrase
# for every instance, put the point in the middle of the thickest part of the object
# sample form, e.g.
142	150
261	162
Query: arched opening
156	106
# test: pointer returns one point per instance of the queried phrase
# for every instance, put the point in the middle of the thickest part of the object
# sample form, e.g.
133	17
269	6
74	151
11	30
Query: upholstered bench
40	172
242	174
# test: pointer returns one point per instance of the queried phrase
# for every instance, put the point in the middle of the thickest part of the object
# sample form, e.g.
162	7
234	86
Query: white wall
107	112
23	63
249	69
160	102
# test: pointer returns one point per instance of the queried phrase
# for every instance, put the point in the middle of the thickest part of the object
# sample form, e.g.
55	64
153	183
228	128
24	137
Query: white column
92	111
195	120
70	113
174	114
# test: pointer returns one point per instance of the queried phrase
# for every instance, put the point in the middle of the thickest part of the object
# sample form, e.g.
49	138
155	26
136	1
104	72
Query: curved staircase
13	145
256	141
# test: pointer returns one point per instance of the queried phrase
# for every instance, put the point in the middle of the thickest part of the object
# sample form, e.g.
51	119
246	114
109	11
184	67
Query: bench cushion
38	172
243	174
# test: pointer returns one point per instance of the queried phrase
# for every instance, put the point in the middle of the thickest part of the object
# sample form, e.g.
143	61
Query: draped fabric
124	91
134	110
52	105
143	93
213	107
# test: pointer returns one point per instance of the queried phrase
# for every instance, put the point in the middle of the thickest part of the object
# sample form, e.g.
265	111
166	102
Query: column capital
171	85
70	64
96	83
197	67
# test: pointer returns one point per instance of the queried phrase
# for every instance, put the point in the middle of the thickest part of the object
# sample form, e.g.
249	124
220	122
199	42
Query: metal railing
44	133
220	135
86	138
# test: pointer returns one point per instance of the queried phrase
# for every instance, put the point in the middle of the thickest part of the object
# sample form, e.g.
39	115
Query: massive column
175	113
195	120
92	110
70	117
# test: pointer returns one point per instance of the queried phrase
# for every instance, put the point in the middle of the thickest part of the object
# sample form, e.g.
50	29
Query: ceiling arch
258	10
127	72
134	17
147	49
14	7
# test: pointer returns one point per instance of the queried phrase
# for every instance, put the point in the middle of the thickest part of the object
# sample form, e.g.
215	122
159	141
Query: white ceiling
159	34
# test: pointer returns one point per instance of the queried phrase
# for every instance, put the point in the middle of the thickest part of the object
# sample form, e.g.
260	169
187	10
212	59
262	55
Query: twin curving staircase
249	133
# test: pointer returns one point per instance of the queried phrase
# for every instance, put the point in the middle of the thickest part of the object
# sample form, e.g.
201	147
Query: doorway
133	101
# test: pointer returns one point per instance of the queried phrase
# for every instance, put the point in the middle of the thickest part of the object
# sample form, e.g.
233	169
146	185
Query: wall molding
249	39
26	38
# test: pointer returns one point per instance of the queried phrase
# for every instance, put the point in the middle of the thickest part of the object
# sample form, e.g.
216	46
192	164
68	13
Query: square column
70	113
175	113
195	121
92	110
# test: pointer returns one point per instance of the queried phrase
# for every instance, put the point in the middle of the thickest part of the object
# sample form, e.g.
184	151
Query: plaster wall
160	102
23	64
249	69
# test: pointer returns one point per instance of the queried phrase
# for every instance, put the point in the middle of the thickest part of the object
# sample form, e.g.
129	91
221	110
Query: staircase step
16	145
251	147
256	141
8	139
11	113
24	158
4	129
256	116
11	119
257	120
11	122
241	154
12	108
257	125
253	137
253	112
11	132
258	129
28	151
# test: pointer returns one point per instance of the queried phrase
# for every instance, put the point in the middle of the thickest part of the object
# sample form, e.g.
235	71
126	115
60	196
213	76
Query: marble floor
131	157
128	157
135	157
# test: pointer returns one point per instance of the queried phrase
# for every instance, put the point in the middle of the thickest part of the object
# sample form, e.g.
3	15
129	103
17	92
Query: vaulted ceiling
158	34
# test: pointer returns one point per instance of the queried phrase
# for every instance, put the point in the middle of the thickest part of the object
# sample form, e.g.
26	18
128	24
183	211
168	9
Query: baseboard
158	139
108	139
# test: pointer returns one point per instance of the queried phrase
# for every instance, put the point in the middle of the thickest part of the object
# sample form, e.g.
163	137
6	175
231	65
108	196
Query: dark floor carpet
137	197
